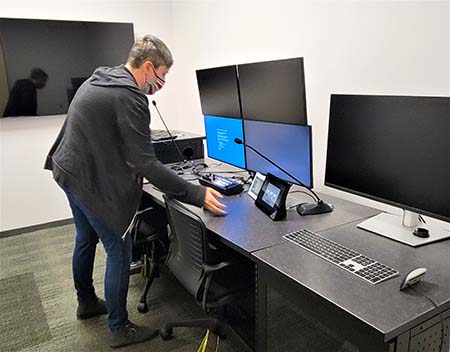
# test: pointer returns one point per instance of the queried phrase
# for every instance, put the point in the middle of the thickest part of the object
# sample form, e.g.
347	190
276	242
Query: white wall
359	47
28	194
366	47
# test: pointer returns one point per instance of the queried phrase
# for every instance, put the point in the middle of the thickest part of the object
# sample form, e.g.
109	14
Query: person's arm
133	118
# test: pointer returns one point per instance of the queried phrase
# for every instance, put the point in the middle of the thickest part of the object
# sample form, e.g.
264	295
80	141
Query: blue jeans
118	258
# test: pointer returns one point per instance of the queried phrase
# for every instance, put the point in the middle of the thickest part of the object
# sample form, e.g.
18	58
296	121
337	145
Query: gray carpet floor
38	303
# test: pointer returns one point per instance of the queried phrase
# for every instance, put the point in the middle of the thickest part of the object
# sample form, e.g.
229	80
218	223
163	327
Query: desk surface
248	229
383	307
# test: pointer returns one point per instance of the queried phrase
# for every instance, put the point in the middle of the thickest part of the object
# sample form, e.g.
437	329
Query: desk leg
402	344
261	310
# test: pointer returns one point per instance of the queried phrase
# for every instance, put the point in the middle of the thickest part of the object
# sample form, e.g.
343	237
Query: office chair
150	245
198	267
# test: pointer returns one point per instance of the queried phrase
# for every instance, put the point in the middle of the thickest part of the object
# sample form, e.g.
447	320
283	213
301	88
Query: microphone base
182	165
314	208
187	164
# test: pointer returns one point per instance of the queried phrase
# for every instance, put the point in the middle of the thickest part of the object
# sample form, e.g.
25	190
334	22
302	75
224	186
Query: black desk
247	229
370	316
378	315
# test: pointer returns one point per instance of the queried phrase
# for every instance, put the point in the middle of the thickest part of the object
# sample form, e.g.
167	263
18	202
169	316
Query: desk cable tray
356	263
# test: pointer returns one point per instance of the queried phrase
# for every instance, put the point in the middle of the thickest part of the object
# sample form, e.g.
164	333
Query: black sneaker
131	334
86	311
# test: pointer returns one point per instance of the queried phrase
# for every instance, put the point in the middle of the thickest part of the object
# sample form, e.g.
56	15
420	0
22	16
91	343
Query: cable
172	138
298	191
440	314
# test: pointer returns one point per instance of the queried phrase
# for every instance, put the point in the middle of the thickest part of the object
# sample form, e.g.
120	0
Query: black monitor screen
395	149
67	52
273	91
220	135
219	94
287	145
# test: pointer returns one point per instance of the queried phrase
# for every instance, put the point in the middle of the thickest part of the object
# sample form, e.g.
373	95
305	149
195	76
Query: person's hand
212	204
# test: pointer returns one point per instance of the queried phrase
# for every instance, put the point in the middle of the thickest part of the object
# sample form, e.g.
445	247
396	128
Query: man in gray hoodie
99	159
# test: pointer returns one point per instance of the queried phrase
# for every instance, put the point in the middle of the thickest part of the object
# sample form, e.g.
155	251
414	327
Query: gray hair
152	49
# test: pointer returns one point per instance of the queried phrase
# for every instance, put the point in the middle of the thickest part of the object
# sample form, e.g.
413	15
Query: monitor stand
401	229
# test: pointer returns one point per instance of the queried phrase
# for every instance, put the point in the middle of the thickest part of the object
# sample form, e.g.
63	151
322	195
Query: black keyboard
160	135
356	263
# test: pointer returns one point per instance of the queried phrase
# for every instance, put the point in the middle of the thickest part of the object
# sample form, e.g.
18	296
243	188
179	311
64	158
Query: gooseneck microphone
170	134
303	209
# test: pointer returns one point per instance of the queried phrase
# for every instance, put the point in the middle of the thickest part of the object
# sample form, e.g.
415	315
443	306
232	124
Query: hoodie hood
117	76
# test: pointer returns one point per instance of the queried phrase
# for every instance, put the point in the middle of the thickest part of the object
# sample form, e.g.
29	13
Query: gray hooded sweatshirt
104	149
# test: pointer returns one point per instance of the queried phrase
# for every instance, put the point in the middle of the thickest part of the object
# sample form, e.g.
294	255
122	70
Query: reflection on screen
271	194
220	135
67	51
287	145
257	184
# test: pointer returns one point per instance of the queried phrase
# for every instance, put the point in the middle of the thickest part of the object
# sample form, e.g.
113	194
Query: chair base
214	325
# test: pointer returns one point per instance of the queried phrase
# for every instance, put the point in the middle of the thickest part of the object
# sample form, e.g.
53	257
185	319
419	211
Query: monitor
219	93
67	51
287	145
393	149
220	135
273	91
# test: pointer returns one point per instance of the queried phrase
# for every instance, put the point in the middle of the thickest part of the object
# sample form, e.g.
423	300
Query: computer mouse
413	277
421	232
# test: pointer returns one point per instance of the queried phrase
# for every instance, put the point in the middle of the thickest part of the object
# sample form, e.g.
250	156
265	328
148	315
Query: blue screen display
220	135
287	145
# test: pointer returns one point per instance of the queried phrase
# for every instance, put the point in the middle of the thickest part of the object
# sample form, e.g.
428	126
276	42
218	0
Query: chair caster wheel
166	333
142	308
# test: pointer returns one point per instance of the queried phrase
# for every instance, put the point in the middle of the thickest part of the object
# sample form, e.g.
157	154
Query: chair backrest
188	247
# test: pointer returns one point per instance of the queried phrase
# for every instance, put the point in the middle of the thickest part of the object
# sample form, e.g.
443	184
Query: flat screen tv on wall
44	62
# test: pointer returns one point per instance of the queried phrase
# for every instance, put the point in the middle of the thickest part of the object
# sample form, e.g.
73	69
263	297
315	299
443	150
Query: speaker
190	145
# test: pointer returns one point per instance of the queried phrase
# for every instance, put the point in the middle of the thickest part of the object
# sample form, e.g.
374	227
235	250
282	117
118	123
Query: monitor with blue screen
287	145
220	135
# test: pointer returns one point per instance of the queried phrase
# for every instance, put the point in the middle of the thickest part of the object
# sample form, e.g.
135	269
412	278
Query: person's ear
148	68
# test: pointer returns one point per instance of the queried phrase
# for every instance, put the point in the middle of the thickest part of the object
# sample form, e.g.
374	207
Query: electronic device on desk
271	197
412	278
255	187
393	149
225	185
220	134
276	141
162	135
345	258
219	92
260	102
